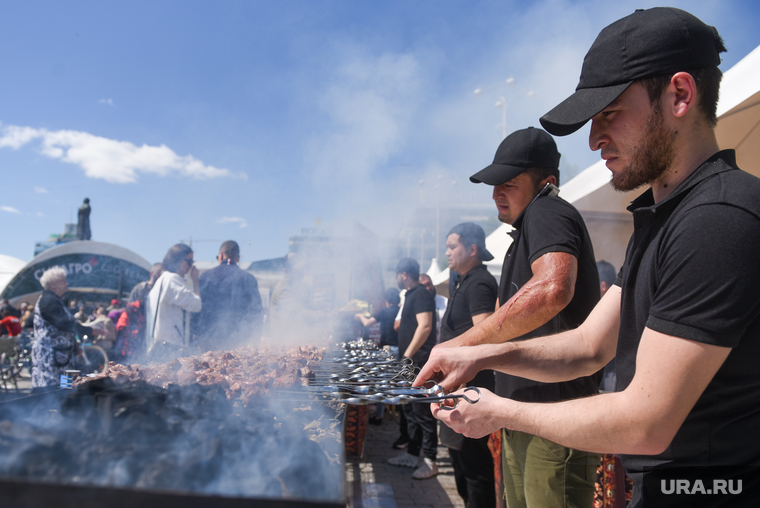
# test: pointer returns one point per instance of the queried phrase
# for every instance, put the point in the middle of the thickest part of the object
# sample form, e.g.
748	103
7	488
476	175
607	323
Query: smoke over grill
190	433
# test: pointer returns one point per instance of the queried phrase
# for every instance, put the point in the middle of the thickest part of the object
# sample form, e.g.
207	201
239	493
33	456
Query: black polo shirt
386	317
417	300
691	271
550	224
473	294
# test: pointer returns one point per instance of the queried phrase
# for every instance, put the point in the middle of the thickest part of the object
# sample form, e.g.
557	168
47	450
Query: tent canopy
9	266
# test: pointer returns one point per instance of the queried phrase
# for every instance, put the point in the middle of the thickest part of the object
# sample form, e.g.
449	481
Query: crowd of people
162	319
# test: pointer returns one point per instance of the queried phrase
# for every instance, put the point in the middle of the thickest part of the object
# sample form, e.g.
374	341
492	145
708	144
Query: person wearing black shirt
416	337
473	298
549	283
683	317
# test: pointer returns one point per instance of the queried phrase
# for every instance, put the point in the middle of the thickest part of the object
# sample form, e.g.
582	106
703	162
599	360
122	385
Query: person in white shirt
169	303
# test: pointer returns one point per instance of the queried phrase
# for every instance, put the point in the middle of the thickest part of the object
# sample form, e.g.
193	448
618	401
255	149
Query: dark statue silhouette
83	226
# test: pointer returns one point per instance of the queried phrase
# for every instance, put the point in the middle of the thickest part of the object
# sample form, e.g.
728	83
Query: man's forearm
600	424
418	339
554	358
527	310
671	375
550	359
544	296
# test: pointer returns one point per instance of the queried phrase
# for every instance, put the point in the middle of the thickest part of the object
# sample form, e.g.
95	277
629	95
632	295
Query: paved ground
364	475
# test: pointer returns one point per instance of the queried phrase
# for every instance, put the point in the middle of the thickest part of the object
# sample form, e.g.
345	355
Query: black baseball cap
472	234
648	43
521	150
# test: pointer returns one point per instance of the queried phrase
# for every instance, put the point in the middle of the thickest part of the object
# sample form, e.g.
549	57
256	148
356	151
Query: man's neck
411	284
467	269
691	152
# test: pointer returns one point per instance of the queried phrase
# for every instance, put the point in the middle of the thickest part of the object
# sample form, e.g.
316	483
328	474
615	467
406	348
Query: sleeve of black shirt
425	302
551	225
481	298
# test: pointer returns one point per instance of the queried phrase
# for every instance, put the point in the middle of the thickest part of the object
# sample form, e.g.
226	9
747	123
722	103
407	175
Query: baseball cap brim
573	113
496	174
484	255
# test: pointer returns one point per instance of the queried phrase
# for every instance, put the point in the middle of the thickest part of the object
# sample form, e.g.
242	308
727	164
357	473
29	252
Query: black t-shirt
386	318
472	294
417	300
550	224
691	271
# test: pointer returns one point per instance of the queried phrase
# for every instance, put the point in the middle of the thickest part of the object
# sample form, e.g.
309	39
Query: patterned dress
54	346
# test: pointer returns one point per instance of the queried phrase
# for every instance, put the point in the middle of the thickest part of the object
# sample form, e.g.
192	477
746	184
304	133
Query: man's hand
194	277
473	420
451	367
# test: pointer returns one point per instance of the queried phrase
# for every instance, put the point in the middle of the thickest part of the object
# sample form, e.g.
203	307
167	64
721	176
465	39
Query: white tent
9	267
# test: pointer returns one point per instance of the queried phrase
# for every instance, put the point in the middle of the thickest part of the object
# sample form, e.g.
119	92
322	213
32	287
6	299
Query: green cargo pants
541	474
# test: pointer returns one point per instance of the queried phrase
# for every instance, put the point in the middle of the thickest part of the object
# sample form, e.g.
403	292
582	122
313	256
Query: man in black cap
473	298
549	283
684	313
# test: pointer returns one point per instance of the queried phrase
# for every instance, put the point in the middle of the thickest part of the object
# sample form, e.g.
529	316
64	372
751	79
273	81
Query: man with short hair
472	300
232	314
684	313
416	337
549	283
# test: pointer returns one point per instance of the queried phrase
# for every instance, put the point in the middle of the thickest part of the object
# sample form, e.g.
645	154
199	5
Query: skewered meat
244	373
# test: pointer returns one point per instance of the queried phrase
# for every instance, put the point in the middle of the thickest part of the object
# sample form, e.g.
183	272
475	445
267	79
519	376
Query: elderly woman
55	345
169	303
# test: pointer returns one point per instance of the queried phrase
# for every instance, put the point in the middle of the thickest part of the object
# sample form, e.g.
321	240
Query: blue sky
250	120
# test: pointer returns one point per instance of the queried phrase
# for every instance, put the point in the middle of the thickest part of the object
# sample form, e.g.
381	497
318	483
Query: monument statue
83	226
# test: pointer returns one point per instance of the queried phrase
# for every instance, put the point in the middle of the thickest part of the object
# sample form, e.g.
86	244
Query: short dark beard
654	157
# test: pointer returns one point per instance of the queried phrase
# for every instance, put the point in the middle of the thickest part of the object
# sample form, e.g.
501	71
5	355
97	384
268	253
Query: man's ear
680	95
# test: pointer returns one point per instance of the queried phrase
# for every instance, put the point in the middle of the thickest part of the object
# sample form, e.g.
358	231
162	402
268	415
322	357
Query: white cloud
41	190
233	220
40	214
108	102
9	209
111	160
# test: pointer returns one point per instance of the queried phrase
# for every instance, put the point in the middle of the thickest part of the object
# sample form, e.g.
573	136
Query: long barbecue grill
203	438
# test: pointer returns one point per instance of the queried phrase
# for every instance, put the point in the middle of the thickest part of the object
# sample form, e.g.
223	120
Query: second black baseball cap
646	44
521	150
